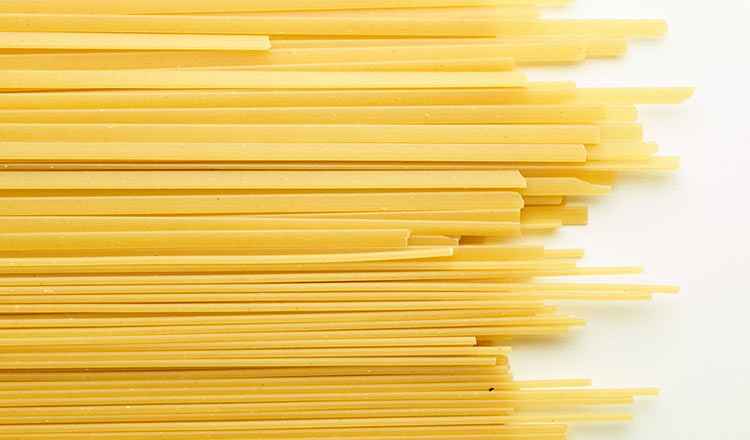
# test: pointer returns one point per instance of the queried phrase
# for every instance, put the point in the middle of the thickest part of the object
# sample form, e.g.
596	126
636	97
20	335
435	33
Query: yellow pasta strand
500	9
235	265
628	95
621	151
595	46
264	180
257	203
313	277
568	215
496	64
323	423
483	134
566	186
193	6
425	227
447	27
620	132
192	239
512	52
421	286
102	41
489	215
209	152
255	98
156	79
390	433
401	115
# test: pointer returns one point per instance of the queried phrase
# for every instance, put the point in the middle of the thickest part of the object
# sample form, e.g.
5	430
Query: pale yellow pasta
297	219
492	64
192	239
313	277
264	180
287	133
565	186
418	227
500	9
160	79
536	93
193	6
328	26
255	203
621	151
520	53
104	41
381	115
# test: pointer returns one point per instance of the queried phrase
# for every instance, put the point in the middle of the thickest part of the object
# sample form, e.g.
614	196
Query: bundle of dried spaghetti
405	341
244	219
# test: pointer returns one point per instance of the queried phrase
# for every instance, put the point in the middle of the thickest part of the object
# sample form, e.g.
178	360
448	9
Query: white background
689	228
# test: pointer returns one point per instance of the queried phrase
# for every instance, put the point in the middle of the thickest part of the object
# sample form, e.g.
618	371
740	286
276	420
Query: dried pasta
292	219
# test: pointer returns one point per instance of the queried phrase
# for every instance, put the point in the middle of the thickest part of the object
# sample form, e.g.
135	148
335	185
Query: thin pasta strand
289	424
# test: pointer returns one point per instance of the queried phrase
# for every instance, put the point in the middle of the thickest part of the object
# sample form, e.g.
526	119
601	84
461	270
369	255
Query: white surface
689	228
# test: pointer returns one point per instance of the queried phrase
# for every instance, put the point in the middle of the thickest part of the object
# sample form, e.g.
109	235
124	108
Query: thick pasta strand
491	64
495	9
265	180
313	152
285	133
193	239
309	98
257	203
339	26
595	46
102	41
401	115
193	6
159	79
563	93
516	53
423	227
